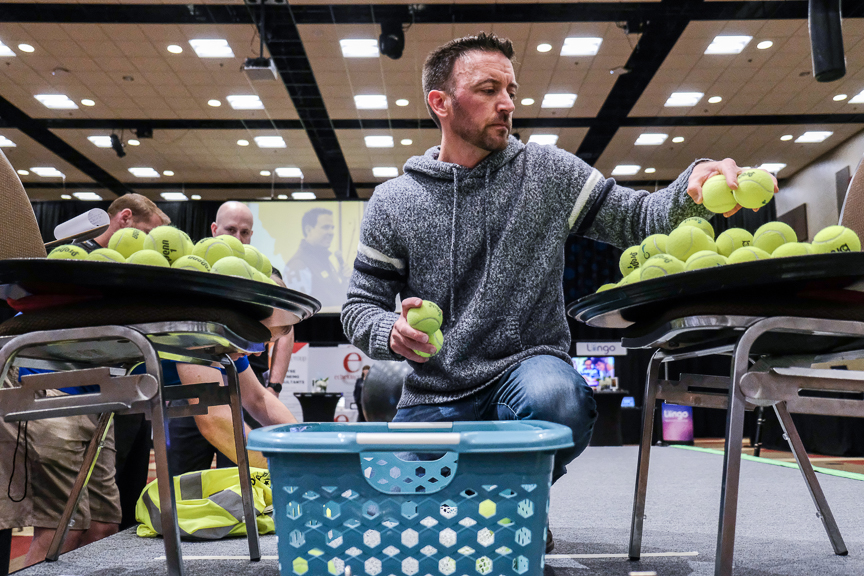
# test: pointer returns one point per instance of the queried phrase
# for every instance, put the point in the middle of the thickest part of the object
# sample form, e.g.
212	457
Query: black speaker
826	40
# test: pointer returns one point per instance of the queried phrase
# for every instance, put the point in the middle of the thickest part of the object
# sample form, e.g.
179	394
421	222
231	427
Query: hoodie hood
429	165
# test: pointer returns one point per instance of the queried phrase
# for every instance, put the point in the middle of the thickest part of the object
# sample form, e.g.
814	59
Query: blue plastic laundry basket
411	498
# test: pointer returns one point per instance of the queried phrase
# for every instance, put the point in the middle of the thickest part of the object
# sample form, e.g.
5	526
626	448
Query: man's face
483	93
146	224
234	224
322	233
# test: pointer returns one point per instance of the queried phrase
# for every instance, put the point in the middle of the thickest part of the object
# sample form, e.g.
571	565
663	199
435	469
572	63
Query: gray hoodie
487	245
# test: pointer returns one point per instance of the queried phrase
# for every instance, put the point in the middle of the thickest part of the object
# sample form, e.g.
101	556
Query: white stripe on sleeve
583	196
374	254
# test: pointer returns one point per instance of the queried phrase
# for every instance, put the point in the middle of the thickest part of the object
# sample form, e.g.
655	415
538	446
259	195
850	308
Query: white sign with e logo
600	349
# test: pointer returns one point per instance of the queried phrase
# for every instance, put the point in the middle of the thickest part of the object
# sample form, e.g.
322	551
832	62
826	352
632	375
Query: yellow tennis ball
717	195
436	338
629	260
259	277
68	252
747	254
704	259
687	240
755	188
652	246
772	235
148	258
234	266
253	257
106	255
700	223
732	239
661	265
427	318
212	250
190	262
235	245
631	278
836	239
127	241
168	241
605	287
792	249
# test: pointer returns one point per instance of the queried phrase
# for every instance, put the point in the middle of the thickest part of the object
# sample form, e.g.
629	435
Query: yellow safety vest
209	505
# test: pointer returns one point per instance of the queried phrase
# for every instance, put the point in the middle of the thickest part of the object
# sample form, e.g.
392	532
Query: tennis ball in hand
700	223
747	254
661	265
436	338
732	239
792	249
190	262
717	196
127	241
652	246
234	266
630	260
68	252
755	188
836	239
212	250
168	241
427	318
704	259
235	245
106	255
687	240
148	258
772	235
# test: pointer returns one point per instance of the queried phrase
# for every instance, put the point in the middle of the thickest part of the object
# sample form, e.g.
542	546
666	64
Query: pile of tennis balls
170	247
692	246
428	319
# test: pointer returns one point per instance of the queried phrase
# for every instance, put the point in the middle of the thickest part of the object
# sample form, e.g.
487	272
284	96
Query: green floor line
828	471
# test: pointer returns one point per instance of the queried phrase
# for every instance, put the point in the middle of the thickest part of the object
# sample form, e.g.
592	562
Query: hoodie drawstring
484	201
453	240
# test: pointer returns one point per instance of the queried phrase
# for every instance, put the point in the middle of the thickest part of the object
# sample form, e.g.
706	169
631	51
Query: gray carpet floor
778	531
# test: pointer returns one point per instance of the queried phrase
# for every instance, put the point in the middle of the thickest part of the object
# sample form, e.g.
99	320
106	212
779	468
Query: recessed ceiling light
371	102
303	195
840	97
772	167
282	196
527	101
558	101
65	197
144	172
265	173
24	172
26	48
6	143
175	49
385	171
212	48
581	46
245	102
133	142
651	139
289	172
544	47
379	141
543	139
715	99
88	102
816	136
167	172
678	139
87	196
786	137
764	45
402	102
270	142
196	196
858	98
359	48
57	101
650	170
174	196
5	51
242	142
728	44
406	142
677	99
100	141
214	103
47	172
625	170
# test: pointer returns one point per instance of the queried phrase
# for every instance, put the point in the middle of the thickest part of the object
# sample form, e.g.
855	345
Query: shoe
550	543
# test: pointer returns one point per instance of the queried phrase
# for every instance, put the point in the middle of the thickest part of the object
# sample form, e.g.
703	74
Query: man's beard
479	137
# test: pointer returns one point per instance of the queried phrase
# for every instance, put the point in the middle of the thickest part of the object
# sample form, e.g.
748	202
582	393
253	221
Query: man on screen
311	269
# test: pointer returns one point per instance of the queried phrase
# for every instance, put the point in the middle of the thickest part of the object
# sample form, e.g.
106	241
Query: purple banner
677	423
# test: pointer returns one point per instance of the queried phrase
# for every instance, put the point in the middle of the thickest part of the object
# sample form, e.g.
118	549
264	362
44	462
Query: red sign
352	359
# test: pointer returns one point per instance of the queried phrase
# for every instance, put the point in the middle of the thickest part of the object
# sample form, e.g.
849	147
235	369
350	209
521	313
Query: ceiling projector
260	69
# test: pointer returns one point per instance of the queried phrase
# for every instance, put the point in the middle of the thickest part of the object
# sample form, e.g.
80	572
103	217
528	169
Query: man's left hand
705	170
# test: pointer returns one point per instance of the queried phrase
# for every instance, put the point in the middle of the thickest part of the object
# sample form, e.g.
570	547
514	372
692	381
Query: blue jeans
539	388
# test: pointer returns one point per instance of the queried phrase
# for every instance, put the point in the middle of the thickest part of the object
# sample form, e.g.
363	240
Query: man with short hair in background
310	269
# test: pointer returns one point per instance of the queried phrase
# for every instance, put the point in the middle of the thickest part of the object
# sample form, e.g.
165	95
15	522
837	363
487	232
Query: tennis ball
652	246
234	243
259	277
755	188
700	223
792	249
68	252
148	258
605	287
436	338
127	241
747	254
704	259
427	318
106	255
772	235
253	257
717	196
212	250
836	239
661	265
631	278
190	262
234	266
687	240
168	241
629	260
732	239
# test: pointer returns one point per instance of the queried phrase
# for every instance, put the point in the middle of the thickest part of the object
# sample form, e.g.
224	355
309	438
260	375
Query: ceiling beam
186	186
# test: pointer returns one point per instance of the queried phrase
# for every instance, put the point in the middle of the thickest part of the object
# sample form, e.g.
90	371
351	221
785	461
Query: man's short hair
310	218
439	64
142	207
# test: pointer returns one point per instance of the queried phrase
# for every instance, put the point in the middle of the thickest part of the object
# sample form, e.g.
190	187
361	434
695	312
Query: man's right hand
404	340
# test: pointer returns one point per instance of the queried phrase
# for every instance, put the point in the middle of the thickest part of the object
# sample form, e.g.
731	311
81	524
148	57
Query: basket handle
426	439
